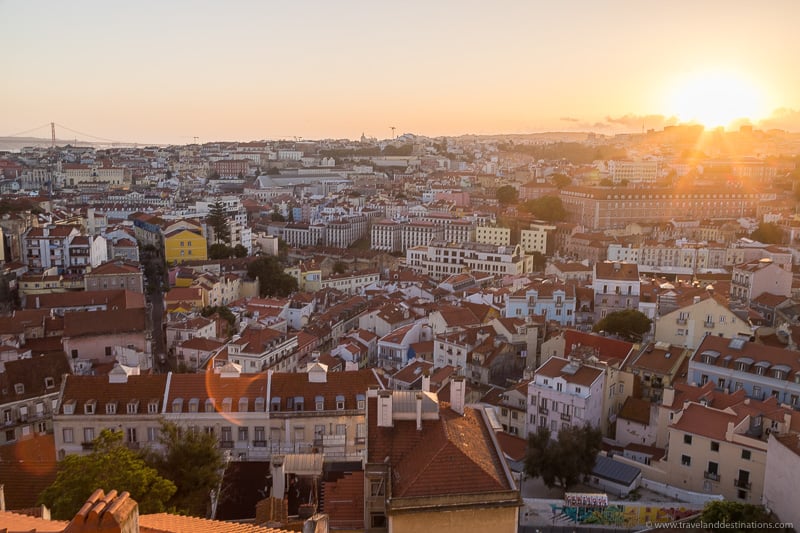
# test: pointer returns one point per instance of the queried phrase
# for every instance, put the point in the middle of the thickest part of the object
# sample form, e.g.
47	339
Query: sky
169	71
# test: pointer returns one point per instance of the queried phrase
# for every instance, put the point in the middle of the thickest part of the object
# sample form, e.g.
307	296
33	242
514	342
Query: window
19	388
88	407
111	408
226	435
88	434
152	434
746	455
361	401
687	439
686	460
131	434
68	435
577	390
133	407
259	433
108	351
242	433
714	446
49	383
152	407
320	403
340	403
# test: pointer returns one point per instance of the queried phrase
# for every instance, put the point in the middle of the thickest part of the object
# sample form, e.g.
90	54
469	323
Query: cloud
637	122
782	119
570	119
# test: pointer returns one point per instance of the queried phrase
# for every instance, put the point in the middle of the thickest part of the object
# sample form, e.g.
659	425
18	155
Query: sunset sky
167	71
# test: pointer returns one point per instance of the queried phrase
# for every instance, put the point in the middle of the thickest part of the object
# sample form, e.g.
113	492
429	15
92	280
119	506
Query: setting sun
716	99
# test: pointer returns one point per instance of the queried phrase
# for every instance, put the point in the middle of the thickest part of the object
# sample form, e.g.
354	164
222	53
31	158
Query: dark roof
32	373
614	471
79	324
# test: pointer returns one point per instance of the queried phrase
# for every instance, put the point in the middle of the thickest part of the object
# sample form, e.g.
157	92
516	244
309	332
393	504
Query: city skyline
173	73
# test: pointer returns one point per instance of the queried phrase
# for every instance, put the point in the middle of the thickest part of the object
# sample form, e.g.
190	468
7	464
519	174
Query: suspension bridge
88	138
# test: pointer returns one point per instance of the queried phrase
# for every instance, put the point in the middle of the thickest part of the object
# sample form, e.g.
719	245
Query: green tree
539	261
731	512
110	466
275	216
628	323
239	251
219	251
561	180
218	221
272	279
565	460
548	208
339	267
224	312
507	195
193	461
768	233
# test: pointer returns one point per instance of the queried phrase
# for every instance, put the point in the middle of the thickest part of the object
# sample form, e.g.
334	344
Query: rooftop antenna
393	128
196	138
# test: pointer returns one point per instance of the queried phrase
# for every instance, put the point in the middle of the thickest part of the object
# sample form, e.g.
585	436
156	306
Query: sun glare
716	99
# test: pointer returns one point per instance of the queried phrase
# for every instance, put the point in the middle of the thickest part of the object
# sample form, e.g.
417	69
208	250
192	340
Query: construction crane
393	128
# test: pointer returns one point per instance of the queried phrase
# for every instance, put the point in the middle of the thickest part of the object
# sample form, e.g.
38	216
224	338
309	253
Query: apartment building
554	301
616	288
115	275
723	450
385	235
737	364
254	416
47	247
259	348
599	208
656	367
645	171
751	280
29	395
705	314
538	238
496	235
564	393
441	259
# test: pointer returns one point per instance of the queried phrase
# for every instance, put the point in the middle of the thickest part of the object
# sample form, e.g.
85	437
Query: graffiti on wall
629	515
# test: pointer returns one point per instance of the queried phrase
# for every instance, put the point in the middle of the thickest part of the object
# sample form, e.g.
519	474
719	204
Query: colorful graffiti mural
628	515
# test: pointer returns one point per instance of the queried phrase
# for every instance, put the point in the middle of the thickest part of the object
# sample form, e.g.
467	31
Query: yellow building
185	244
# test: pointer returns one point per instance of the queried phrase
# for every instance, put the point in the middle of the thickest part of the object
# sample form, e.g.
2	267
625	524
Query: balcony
132	445
681	321
742	484
708	324
565	417
713	476
226	444
259	444
87	445
543	411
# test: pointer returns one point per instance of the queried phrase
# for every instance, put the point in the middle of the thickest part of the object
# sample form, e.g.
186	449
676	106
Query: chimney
419	411
696	300
457	394
110	513
385	409
426	381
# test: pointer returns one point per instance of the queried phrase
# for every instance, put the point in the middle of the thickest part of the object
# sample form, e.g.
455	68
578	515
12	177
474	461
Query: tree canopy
218	221
110	466
272	279
193	461
768	233
628	323
507	195
732	512
565	460
548	208
561	180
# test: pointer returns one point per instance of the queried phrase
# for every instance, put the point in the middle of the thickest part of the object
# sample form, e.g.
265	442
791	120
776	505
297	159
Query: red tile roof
27	467
80	324
452	455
